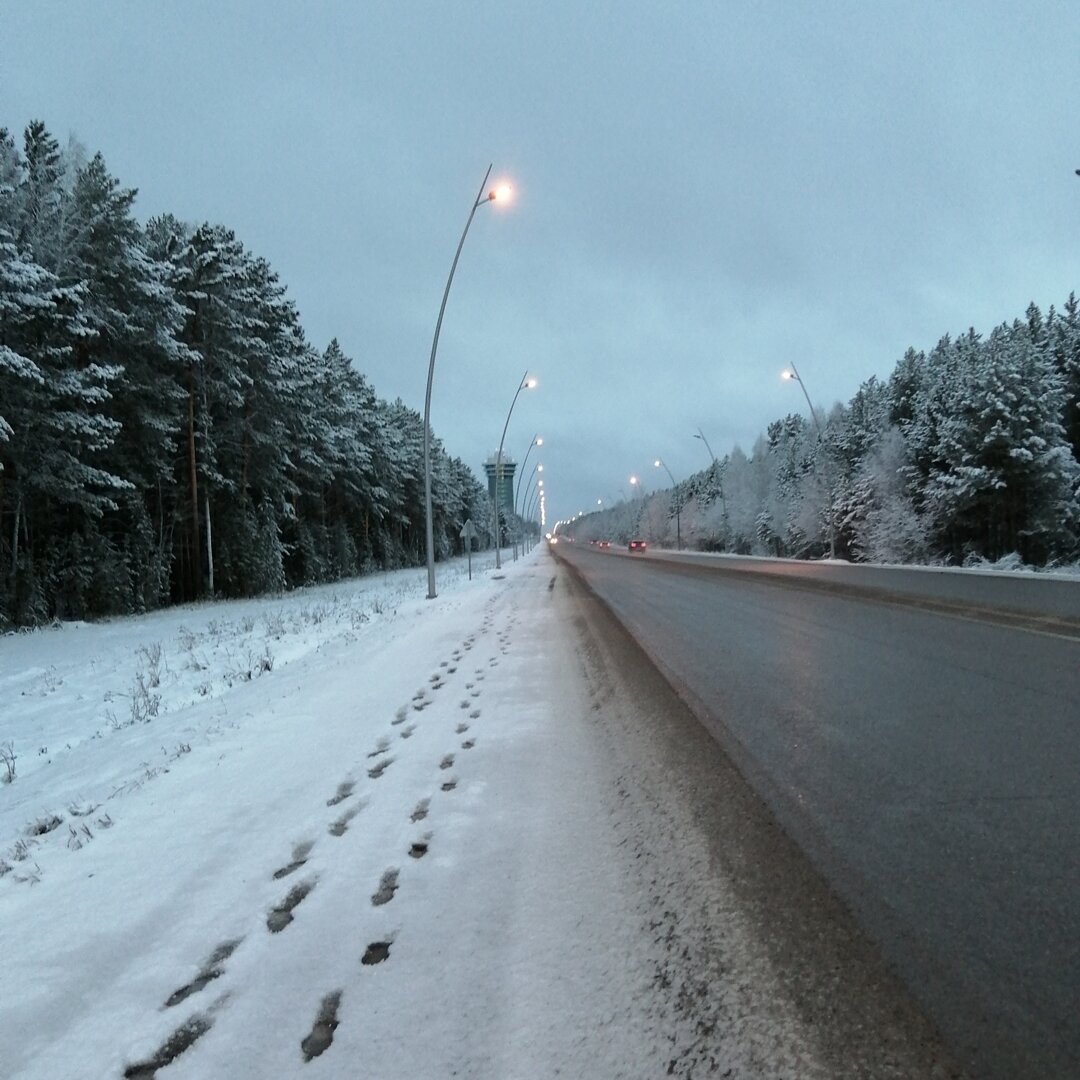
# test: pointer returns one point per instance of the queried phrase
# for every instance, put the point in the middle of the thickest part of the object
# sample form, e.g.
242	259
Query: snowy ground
352	832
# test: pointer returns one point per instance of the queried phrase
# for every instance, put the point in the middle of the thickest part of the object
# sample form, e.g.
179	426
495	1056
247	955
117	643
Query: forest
967	454
167	432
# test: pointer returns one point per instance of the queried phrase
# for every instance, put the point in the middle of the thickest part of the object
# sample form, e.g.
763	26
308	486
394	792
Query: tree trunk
209	547
196	553
15	542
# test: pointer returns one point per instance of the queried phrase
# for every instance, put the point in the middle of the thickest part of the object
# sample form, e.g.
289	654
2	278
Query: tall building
505	478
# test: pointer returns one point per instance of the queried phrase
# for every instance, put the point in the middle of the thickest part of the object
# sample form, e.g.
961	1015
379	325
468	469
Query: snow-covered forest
968	453
166	430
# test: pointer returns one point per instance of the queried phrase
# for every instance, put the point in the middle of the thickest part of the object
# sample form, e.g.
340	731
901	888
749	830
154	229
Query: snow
172	829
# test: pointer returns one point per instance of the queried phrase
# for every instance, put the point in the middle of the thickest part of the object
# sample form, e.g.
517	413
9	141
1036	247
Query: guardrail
1050	595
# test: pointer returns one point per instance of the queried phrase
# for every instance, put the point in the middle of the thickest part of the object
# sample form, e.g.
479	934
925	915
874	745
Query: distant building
505	477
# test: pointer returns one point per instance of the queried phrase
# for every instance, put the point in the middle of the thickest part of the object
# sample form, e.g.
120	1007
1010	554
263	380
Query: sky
703	192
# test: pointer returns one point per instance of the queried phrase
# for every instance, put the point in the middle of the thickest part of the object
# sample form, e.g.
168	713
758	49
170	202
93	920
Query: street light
537	468
536	441
526	383
524	489
536	503
723	502
700	435
678	510
794	374
497	194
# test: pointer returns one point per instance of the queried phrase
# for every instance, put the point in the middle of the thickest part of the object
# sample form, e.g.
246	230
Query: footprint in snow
322	1032
376	952
344	790
299	857
376	771
211	970
193	1029
387	887
339	827
447	762
282	915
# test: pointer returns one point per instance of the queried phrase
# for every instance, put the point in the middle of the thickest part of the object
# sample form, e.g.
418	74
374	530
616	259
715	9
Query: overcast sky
704	191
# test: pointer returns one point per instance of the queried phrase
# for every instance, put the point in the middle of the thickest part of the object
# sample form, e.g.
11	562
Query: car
605	543
638	545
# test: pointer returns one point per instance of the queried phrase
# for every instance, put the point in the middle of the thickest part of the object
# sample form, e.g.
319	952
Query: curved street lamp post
536	441
794	374
525	384
718	473
678	509
535	499
429	534
524	489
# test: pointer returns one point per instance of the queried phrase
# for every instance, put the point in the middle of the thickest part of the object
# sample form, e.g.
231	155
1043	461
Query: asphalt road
928	765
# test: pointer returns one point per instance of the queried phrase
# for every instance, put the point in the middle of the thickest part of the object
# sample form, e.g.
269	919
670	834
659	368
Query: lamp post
536	441
535	498
525	489
501	192
794	374
658	463
536	503
718	473
526	383
701	435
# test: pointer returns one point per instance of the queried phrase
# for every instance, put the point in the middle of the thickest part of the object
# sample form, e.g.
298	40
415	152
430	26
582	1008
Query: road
929	766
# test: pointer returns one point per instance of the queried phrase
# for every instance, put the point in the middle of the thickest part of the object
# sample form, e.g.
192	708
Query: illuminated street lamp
536	441
525	488
794	374
537	496
500	193
658	463
537	468
527	383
